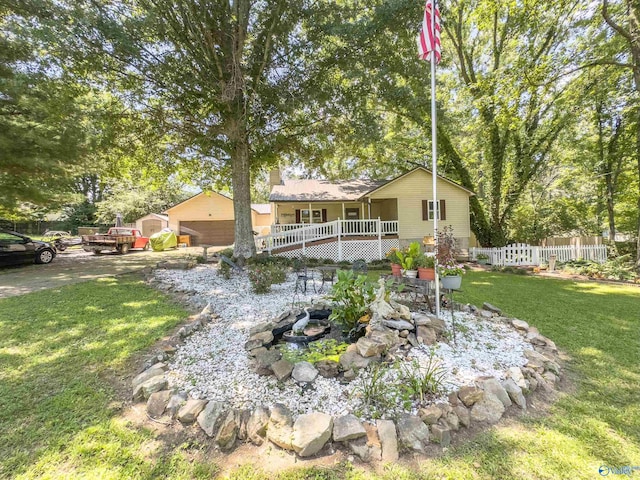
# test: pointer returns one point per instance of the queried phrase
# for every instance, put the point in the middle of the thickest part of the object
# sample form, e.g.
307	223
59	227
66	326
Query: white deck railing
522	254
302	233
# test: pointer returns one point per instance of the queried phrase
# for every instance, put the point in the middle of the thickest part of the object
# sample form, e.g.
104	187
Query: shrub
351	294
224	269
329	349
446	248
260	278
278	275
377	387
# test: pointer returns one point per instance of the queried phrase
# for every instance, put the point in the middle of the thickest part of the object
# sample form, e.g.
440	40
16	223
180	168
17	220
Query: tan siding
201	207
415	187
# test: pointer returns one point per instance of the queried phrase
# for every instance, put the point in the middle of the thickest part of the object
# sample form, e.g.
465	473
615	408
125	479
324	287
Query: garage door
220	232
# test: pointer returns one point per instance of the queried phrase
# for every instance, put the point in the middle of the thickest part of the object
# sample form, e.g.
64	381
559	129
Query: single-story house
152	223
209	218
399	209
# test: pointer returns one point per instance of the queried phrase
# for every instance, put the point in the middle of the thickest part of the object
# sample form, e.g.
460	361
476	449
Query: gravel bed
213	363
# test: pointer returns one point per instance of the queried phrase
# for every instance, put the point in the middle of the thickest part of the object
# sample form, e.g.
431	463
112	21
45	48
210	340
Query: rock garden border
482	402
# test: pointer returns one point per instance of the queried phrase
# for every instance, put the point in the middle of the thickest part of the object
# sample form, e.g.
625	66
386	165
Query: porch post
310	215
343	214
304	246
340	238
379	227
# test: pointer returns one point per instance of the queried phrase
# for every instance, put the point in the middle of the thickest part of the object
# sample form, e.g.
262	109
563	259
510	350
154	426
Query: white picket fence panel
520	254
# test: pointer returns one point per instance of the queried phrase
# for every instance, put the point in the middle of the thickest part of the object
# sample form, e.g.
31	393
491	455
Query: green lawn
61	354
61	350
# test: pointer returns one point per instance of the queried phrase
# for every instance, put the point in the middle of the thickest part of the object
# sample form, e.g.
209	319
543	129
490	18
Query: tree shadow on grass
55	414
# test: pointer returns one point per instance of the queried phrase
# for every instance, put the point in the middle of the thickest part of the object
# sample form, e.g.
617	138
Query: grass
61	354
60	351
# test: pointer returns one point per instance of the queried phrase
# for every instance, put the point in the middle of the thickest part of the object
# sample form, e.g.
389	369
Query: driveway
74	266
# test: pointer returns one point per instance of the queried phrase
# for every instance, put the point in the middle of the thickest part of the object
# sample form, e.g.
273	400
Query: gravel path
213	363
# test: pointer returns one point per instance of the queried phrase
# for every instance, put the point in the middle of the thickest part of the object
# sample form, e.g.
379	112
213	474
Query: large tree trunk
241	183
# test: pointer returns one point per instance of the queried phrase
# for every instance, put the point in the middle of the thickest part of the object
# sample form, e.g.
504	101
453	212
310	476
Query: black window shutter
425	209
443	210
297	216
324	215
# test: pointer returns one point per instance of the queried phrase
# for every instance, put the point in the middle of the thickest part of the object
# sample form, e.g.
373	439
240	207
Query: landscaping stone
451	420
347	427
154	371
491	308
153	385
361	448
190	411
328	368
488	409
280	427
430	415
157	403
453	399
441	435
462	413
304	372
515	373
242	419
370	348
211	417
264	361
227	432
259	340
519	324
257	352
373	441
349	375
470	395
515	393
492	385
176	402
353	360
550	377
426	335
261	327
404	333
413	340
282	369
311	432
388	440
257	425
386	336
535	338
398	324
413	434
486	314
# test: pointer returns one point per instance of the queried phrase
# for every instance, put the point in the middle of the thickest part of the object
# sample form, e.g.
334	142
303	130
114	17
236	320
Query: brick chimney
275	177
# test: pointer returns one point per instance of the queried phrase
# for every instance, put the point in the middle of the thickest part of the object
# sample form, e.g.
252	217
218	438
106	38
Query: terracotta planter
452	282
396	270
426	273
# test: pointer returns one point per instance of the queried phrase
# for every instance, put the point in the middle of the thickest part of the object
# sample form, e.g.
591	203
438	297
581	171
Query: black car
16	248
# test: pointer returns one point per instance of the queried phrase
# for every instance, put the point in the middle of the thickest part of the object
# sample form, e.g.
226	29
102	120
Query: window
428	210
304	216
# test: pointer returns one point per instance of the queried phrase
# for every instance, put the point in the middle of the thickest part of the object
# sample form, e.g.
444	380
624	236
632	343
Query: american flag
428	40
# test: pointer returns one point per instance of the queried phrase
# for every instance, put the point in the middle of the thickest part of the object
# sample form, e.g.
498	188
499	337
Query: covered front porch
288	215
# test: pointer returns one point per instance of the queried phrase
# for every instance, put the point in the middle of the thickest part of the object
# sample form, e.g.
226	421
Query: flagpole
434	155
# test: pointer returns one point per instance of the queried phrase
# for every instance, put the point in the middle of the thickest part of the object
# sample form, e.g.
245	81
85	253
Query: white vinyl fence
518	254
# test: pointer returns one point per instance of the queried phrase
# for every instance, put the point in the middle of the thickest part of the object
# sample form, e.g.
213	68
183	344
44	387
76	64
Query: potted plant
482	258
451	275
396	268
426	267
408	257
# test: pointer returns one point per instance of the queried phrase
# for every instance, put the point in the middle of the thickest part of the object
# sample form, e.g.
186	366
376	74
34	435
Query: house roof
164	218
322	190
261	208
347	191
